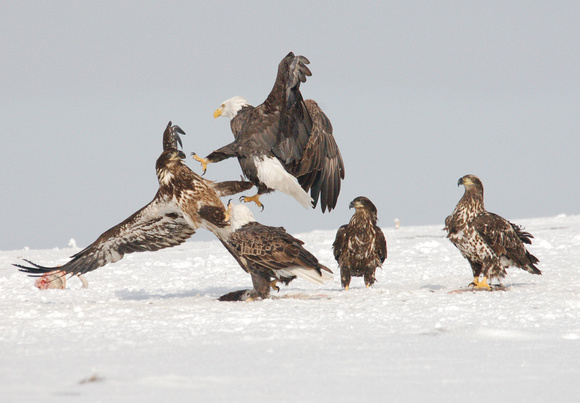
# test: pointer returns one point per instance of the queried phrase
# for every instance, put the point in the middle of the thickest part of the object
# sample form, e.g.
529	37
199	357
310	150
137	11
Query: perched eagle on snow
170	219
286	143
489	242
269	255
360	246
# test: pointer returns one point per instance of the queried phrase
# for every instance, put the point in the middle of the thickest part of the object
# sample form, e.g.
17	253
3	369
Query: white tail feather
307	274
272	174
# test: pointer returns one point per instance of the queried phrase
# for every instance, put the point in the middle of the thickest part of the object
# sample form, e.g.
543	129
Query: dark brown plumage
488	242
170	219
284	140
268	254
360	246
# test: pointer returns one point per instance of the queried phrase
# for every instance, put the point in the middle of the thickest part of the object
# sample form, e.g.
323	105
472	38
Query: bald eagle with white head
184	202
360	246
286	143
269	255
489	242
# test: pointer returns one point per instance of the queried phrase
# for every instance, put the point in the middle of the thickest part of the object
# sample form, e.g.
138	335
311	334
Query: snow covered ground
149	328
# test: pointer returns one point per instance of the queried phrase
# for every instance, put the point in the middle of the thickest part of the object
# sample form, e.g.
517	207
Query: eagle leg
345	278
369	278
83	280
480	284
255	198
203	161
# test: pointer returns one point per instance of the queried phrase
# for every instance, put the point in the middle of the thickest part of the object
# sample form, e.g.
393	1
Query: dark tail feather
37	270
531	268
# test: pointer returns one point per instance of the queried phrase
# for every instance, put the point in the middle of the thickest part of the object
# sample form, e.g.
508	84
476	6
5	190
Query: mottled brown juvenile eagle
489	242
268	254
360	246
171	218
286	143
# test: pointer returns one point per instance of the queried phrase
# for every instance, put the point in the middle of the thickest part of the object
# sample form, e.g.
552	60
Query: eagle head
471	182
230	107
239	215
166	162
362	203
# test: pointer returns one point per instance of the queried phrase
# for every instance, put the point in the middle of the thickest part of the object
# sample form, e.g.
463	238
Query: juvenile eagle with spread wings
489	242
268	254
360	246
168	220
286	143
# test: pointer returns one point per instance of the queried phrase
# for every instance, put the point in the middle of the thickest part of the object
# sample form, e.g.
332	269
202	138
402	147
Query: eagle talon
479	284
255	199
203	161
274	285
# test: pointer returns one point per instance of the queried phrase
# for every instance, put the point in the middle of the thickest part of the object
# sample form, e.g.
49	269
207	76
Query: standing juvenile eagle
489	242
360	246
286	143
171	218
268	254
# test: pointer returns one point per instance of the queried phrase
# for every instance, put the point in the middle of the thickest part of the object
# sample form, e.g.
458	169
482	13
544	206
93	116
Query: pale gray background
419	93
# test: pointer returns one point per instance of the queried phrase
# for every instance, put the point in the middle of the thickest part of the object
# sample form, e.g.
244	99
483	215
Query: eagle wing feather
272	248
506	239
160	224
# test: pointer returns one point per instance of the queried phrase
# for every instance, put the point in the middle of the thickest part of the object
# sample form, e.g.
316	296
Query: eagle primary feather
489	242
286	127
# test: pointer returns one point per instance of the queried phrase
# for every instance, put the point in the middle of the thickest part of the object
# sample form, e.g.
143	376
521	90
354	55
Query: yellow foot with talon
274	286
480	284
203	161
255	198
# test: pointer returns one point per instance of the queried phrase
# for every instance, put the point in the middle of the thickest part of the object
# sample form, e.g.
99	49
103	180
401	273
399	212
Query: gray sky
419	94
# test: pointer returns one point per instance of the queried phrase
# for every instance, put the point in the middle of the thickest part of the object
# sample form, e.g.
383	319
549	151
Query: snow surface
149	328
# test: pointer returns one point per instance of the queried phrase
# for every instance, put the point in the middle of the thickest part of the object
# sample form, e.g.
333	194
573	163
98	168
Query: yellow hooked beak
218	112
229	210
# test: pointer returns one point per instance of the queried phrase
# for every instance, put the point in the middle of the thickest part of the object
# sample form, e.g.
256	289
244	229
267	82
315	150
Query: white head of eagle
240	215
230	107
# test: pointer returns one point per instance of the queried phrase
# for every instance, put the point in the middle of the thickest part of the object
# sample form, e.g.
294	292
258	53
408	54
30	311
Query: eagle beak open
218	112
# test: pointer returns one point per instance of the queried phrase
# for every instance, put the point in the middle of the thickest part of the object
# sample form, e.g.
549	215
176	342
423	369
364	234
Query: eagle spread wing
290	130
183	203
158	225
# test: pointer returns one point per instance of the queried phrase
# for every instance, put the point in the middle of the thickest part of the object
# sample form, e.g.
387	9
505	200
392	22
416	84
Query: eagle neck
168	174
471	203
362	217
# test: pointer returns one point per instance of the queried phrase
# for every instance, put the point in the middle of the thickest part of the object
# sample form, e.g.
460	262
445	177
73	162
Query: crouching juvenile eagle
360	246
286	143
488	242
170	219
269	255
